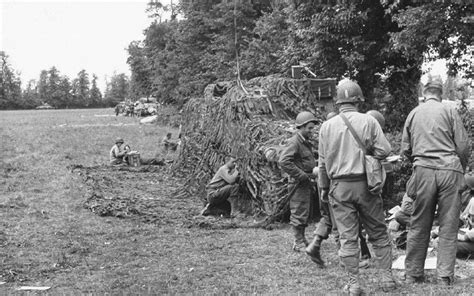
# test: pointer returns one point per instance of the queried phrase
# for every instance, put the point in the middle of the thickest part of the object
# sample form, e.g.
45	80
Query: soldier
298	161
377	115
435	140
118	154
343	182
326	225
223	186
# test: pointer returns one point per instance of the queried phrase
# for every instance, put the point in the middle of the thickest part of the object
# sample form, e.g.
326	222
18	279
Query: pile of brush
252	121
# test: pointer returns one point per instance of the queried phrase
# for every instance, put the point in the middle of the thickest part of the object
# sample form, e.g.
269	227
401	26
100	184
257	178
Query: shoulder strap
353	132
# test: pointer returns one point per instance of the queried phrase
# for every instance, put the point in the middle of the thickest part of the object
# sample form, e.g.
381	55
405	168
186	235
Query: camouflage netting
252	123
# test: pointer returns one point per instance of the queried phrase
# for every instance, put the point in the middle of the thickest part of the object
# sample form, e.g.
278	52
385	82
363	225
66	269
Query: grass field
48	237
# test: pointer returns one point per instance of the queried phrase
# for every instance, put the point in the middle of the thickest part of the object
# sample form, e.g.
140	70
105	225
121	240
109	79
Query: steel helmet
331	115
377	115
431	81
118	140
469	178
305	117
348	91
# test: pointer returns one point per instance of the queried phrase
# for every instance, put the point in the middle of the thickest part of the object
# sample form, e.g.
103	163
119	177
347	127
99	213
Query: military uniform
298	161
116	155
342	172
435	139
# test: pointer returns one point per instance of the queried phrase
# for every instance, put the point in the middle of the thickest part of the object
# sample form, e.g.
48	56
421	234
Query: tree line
58	90
380	43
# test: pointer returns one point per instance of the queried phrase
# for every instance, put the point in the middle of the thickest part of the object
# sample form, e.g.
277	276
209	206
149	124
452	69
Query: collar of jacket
433	98
347	108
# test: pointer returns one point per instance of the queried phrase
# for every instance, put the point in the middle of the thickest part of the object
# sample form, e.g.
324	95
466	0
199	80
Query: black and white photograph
237	147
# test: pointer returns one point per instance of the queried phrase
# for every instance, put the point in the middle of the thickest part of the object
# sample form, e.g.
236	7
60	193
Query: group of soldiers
120	153
434	140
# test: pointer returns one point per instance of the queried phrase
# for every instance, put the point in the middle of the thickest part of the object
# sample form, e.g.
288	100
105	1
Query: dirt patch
149	194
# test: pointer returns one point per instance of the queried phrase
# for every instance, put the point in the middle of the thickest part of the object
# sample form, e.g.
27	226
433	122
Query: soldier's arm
287	162
461	139
406	148
323	178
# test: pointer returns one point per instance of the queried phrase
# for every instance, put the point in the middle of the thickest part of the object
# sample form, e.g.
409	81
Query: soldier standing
343	182
435	139
298	161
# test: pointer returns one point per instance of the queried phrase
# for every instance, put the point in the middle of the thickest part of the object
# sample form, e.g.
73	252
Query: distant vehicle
45	106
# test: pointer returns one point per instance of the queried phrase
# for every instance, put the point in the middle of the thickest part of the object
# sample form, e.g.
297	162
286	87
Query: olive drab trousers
302	202
433	187
352	202
221	195
325	225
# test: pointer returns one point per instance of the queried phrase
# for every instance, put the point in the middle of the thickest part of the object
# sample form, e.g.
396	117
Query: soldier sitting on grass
169	144
224	186
118	153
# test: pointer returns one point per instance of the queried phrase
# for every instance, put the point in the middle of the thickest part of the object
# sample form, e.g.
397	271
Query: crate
134	158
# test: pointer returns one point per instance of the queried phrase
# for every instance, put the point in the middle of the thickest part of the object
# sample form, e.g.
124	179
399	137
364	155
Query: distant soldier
117	109
377	115
298	161
118	153
168	143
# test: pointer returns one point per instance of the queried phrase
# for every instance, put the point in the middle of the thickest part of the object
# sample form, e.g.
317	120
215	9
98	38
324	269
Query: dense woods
380	43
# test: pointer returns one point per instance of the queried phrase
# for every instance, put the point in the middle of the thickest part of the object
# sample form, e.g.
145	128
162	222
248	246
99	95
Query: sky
71	35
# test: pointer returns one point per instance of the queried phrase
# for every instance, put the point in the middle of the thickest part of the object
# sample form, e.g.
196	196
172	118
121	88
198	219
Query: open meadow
71	223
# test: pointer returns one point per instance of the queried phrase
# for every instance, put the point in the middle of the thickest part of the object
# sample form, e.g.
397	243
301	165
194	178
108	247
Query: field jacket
434	137
340	157
297	159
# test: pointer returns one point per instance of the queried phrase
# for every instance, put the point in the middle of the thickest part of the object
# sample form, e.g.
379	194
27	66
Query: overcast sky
71	35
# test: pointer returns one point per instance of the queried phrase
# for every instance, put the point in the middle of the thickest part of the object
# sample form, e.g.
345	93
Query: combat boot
446	281
353	287
314	251
206	211
387	282
414	279
351	265
300	242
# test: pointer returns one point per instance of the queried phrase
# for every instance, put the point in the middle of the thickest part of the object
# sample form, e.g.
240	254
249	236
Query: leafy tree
10	84
95	98
64	91
117	89
30	98
80	89
140	81
43	87
56	96
267	46
380	43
